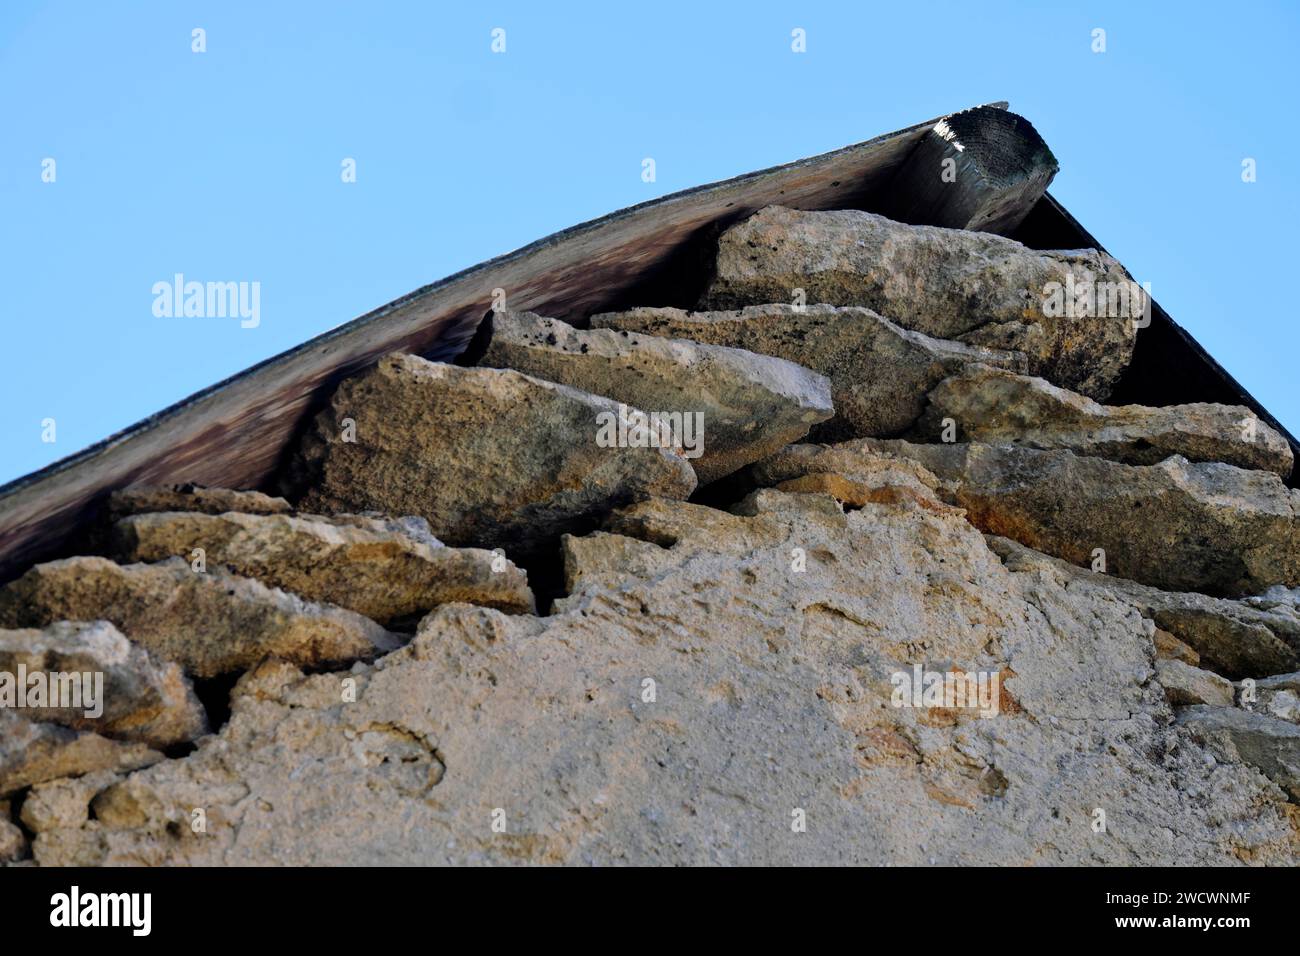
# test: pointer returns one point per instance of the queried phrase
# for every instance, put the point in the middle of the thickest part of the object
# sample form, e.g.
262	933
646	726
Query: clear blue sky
225	165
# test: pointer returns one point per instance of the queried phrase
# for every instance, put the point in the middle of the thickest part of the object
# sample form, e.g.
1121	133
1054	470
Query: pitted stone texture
1276	696
144	499
210	623
1231	637
32	752
879	372
752	404
13	842
390	571
1176	525
1185	684
681	717
1271	745
140	698
64	802
974	286
1251	637
994	406
491	458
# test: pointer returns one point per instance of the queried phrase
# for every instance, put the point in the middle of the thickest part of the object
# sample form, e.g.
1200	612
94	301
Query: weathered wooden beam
981	169
234	433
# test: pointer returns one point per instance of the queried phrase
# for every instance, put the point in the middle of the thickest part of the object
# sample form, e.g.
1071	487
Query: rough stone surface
13	842
142	699
1278	696
1271	745
753	404
879	372
717	670
1252	637
144	499
1168	646
1233	638
210	623
1185	684
994	406
489	457
772	691
973	286
65	802
1176	525
375	567
33	752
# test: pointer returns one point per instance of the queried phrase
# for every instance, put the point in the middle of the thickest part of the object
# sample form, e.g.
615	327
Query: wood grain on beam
234	433
981	169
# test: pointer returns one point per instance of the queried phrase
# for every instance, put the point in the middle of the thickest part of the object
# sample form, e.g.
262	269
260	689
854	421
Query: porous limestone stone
382	569
750	405
1232	637
879	372
1236	638
137	697
1271	745
1168	646
143	499
490	457
692	714
32	752
13	842
994	406
952	284
64	802
209	622
1176	525
1185	684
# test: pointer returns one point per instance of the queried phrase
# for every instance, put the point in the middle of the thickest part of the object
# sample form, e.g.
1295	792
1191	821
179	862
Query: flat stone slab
136	696
1272	746
746	405
376	567
489	457
1186	685
33	752
995	406
974	286
143	499
879	371
1177	525
210	623
1234	638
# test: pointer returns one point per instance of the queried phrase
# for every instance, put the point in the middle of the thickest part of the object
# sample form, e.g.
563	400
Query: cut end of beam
982	169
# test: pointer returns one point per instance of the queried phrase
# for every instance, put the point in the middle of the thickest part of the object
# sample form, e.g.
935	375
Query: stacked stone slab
1128	574
994	406
128	704
387	570
488	457
879	372
976	287
210	622
747	405
1177	525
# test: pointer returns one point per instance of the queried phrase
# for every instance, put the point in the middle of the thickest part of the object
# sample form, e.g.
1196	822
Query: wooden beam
234	434
982	169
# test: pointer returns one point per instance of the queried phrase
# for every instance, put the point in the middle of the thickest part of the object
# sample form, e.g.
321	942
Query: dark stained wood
234	433
982	169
